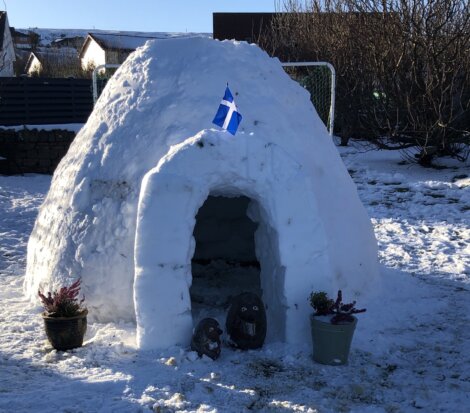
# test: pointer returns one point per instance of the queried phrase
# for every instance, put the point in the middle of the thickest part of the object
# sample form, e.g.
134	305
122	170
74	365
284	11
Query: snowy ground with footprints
409	353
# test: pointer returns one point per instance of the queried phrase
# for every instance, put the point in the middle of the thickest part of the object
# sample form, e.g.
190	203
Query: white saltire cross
231	108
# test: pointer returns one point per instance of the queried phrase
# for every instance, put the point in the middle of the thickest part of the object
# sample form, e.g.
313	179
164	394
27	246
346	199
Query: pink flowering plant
64	302
341	313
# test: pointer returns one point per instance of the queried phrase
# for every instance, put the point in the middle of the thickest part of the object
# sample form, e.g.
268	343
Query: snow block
121	210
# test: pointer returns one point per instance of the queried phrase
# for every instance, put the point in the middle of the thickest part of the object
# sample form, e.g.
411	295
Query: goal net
319	79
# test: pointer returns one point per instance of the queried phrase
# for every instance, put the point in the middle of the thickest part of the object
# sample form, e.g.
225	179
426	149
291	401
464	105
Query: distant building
7	50
113	48
62	62
105	48
33	64
241	26
75	42
21	40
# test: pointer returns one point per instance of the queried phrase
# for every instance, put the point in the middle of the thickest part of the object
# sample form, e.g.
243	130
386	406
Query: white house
159	211
103	47
113	48
33	64
7	50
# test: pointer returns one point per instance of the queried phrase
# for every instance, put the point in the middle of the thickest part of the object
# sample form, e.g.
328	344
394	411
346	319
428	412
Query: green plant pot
331	342
65	333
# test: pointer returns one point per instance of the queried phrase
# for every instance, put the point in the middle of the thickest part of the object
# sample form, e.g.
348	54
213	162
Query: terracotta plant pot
331	342
65	333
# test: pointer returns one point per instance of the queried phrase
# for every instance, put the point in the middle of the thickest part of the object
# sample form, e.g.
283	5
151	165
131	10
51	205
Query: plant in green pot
333	326
64	317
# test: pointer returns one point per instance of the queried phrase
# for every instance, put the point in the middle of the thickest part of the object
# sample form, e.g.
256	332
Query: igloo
158	210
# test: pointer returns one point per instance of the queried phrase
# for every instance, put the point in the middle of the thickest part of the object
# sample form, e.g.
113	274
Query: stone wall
33	150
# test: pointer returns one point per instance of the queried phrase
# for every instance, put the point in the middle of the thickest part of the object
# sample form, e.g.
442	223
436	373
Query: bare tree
403	68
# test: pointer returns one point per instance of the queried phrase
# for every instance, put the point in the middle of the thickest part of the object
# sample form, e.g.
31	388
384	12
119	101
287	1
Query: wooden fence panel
40	101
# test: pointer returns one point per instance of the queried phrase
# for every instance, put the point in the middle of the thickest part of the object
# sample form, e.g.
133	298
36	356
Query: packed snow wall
283	205
159	101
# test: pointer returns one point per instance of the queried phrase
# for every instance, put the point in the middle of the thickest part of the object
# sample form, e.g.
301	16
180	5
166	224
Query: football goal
319	78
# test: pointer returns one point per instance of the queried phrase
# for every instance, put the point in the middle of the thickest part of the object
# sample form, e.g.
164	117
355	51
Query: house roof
66	40
18	33
129	41
125	42
51	54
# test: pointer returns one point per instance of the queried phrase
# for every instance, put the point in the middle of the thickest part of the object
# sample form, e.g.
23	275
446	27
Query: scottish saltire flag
228	117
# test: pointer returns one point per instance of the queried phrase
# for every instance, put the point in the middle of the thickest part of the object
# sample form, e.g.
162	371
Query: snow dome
165	217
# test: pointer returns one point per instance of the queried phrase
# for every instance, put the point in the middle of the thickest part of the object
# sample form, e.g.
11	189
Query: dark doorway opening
224	262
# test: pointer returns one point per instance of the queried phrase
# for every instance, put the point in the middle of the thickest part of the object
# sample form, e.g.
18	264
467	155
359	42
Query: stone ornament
246	321
206	338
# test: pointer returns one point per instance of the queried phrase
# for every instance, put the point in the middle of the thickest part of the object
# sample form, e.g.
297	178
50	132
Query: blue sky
136	15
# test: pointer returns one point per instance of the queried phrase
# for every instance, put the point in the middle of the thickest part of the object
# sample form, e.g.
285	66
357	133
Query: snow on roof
52	52
47	36
63	39
51	55
125	41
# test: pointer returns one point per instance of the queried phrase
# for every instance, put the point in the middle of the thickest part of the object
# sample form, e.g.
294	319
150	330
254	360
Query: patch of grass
267	368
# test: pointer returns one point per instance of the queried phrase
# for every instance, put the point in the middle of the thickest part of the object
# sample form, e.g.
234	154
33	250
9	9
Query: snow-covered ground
410	351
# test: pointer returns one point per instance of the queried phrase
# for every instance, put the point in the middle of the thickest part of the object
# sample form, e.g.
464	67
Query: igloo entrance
290	240
224	262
